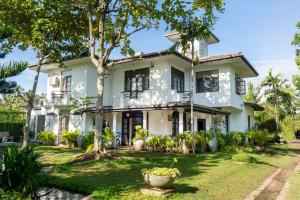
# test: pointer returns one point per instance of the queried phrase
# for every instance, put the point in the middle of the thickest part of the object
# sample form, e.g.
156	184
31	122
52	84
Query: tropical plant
47	137
296	42
234	138
140	133
163	171
88	139
108	135
288	128
258	137
89	148
242	158
221	140
252	94
21	170
153	142
13	195
70	137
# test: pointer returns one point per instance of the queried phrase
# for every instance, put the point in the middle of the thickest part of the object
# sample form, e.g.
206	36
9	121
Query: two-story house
153	90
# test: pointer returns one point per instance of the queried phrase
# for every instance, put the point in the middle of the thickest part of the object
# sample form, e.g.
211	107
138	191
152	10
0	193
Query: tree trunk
192	101
30	105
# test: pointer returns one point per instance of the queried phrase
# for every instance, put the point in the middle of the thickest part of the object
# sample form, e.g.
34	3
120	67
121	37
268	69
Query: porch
158	120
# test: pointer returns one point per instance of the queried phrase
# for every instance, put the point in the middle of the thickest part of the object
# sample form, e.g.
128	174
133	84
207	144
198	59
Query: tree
279	94
296	42
252	94
112	22
11	69
36	24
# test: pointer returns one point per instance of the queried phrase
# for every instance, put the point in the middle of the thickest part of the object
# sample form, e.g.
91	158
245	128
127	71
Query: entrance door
63	125
129	121
201	124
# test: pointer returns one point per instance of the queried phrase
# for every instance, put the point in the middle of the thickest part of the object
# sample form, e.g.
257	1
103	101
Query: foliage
108	135
21	170
14	129
221	140
258	137
186	138
252	94
13	195
296	42
89	148
88	139
202	140
265	119
162	171
107	194
140	133
160	143
234	138
242	158
288	128
47	137
70	137
153	142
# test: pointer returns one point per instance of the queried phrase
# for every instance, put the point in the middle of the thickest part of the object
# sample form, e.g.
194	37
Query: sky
261	29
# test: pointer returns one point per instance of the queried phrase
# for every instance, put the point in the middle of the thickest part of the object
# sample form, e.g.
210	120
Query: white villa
152	90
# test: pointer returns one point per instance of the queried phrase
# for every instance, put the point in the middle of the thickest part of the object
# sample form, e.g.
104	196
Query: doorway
201	124
129	121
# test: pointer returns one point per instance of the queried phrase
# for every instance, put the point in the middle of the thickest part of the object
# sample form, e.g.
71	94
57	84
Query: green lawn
204	176
294	180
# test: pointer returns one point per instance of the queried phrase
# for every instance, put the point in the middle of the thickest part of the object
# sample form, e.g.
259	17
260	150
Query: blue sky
261	29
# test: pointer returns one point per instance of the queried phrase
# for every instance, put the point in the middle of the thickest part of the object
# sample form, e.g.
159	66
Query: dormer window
207	81
240	85
177	80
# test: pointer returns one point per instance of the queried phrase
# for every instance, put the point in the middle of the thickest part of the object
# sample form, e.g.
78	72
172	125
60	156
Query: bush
258	137
140	133
108	135
88	139
234	138
221	140
13	195
89	148
70	137
47	137
21	170
162	171
242	158
288	128
153	142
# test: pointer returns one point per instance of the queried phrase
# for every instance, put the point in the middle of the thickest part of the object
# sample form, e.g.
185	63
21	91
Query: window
136	80
240	85
249	122
177	80
207	81
67	83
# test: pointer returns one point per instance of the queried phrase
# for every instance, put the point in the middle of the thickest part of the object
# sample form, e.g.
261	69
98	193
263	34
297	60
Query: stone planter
213	145
139	145
185	149
259	148
158	181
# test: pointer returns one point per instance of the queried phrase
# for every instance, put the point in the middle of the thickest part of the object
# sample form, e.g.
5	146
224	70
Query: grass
204	176
294	181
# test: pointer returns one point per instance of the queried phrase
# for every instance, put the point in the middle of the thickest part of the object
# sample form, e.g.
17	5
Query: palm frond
12	68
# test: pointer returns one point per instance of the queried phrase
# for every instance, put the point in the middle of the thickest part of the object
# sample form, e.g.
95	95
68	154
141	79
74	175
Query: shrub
186	138
153	142
88	139
70	137
162	171
21	170
9	195
201	140
140	133
234	138
47	137
221	140
288	128
170	144
258	137
107	135
242	158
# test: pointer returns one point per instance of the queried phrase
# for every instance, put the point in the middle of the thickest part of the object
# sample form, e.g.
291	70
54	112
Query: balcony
60	98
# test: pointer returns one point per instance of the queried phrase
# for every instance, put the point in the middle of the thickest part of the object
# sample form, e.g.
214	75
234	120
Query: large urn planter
158	181
213	145
139	145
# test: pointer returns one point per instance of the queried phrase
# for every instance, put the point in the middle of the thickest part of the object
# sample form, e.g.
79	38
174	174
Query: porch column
145	120
114	127
195	123
180	111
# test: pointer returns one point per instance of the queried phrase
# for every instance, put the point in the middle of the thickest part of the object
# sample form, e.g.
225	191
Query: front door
129	121
63	125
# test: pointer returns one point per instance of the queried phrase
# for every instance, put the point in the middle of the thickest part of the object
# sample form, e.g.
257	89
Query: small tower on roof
200	46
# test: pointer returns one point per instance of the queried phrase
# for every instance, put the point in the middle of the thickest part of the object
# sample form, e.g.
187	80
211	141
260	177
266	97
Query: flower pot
139	145
213	145
185	149
259	148
158	181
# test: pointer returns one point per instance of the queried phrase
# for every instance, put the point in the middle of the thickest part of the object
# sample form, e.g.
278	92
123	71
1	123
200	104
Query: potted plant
161	177
186	138
139	138
259	138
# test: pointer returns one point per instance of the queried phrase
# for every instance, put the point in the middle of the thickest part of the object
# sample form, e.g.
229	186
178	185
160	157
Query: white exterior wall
238	120
158	123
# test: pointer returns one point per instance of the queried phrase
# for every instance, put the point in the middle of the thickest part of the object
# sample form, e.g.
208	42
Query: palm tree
278	93
252	94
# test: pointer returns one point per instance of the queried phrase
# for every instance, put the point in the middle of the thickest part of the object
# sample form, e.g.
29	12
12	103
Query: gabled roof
255	106
174	36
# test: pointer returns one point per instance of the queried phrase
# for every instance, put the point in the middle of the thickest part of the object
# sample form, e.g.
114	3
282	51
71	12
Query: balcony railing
60	98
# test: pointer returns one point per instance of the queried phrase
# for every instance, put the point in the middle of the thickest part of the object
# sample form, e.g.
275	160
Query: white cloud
287	68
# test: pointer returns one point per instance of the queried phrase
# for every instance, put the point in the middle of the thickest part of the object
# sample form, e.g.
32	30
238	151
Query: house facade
153	90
